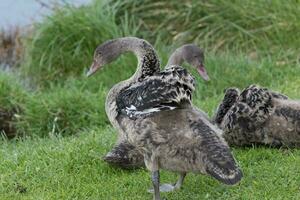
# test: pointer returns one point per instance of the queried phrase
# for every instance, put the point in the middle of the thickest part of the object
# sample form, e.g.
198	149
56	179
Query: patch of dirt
20	188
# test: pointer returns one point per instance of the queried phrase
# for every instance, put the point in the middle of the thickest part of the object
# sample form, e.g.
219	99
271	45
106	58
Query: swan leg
155	182
180	180
152	165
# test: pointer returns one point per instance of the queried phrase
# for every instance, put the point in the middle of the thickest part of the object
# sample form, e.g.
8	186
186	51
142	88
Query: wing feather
166	90
218	159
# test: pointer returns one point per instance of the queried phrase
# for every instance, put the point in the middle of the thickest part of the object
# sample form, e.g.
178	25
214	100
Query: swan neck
148	61
175	59
148	64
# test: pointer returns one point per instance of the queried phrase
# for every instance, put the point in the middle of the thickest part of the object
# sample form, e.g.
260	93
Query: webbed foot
171	187
164	188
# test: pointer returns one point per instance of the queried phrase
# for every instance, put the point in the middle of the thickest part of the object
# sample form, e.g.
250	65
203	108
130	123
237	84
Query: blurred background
22	13
46	102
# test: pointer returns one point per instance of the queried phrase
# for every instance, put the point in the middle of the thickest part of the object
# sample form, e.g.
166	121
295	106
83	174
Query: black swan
259	116
124	154
165	128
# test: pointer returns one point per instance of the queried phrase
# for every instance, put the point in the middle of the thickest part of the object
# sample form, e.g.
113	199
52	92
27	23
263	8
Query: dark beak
202	71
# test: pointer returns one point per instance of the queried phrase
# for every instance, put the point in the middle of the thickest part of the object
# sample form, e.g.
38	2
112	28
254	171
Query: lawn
61	124
71	168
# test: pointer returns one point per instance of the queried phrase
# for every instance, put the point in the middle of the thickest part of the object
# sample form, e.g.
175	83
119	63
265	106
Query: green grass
70	168
13	98
12	94
270	27
56	167
63	111
62	117
62	45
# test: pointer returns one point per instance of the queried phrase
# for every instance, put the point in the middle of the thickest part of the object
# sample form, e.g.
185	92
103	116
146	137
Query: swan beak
89	73
202	71
92	69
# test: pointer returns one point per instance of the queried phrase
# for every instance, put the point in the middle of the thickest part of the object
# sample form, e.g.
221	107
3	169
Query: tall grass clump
270	26
12	94
62	44
13	98
63	111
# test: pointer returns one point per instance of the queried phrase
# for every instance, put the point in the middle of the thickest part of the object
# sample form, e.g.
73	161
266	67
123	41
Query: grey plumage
260	116
164	91
126	154
183	141
179	139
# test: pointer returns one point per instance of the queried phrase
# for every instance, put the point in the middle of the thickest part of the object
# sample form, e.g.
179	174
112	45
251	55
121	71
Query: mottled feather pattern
230	97
264	117
162	91
217	158
156	118
149	62
253	96
237	116
278	95
254	105
184	141
289	113
260	100
148	65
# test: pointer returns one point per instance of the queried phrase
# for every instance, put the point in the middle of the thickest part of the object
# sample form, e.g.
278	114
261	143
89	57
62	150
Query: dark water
23	12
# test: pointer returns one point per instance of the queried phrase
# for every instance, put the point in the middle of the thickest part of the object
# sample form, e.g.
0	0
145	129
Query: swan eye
99	55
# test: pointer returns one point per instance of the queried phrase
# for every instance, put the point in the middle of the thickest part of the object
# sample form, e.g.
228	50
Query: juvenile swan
168	131
259	116
124	154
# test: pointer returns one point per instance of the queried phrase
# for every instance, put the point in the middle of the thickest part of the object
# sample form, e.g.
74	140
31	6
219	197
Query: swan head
191	54
104	54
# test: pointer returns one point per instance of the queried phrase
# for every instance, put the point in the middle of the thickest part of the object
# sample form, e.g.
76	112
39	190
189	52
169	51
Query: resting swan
168	131
259	116
125	155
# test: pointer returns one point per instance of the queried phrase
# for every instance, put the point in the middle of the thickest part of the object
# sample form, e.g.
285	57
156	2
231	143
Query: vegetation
63	44
245	43
63	111
71	168
12	94
270	27
13	97
11	47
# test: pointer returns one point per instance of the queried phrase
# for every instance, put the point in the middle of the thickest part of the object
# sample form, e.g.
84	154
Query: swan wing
167	90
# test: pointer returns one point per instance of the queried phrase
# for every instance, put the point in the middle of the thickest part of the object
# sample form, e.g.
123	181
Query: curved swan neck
176	58
148	61
148	64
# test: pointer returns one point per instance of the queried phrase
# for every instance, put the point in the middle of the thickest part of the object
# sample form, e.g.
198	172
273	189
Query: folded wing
167	90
